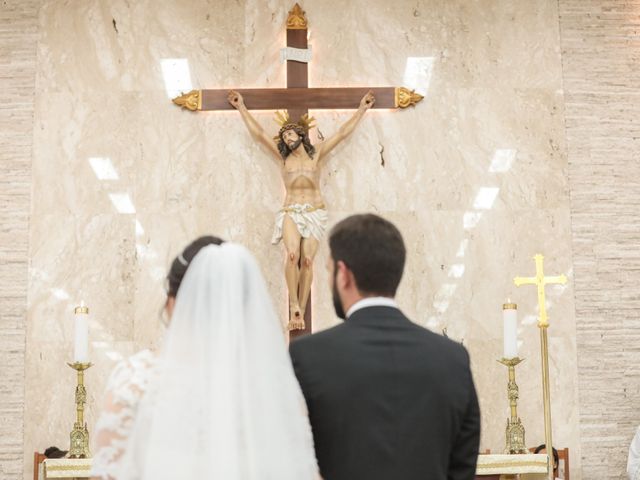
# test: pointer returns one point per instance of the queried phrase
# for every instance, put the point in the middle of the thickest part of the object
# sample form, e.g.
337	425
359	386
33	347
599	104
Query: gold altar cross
540	281
543	324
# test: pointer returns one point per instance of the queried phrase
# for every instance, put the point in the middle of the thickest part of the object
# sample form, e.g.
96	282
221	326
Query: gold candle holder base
514	432
79	445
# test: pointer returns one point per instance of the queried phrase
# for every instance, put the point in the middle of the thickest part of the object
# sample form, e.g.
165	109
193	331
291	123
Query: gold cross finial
296	19
540	281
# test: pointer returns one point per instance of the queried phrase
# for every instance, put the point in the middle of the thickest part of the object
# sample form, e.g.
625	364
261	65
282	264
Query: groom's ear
344	276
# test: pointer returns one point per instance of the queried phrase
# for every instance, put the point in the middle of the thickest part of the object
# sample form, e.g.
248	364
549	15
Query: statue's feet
295	325
296	319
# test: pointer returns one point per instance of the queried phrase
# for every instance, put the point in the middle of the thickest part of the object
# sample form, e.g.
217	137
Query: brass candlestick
80	435
515	430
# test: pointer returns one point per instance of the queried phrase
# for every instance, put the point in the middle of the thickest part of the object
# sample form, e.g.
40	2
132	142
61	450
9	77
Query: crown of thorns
301	126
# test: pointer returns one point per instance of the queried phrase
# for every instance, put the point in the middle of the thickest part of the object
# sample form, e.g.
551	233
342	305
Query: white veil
225	402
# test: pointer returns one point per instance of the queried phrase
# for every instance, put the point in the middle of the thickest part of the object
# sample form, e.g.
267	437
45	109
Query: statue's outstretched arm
255	129
349	126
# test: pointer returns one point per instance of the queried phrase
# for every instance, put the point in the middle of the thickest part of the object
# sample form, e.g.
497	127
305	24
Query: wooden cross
540	281
543	323
297	98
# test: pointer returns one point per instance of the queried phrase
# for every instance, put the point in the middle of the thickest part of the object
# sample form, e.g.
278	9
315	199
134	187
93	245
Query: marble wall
18	39
601	63
476	177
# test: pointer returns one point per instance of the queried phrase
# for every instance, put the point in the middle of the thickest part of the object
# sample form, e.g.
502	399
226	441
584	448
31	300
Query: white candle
81	336
510	318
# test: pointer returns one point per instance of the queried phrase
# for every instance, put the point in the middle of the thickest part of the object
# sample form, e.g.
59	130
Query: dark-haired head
372	250
55	452
556	458
182	261
303	138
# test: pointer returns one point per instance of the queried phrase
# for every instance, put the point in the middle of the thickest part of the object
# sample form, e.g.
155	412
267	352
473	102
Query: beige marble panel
475	176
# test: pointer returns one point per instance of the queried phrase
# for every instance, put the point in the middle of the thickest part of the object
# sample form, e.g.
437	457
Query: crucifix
296	99
540	281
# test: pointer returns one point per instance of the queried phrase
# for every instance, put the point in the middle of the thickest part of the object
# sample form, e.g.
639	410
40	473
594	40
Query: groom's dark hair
373	249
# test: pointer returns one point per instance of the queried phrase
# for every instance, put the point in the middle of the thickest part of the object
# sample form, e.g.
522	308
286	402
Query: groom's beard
337	304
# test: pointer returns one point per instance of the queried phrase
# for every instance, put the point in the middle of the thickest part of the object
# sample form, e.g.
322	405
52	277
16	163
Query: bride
221	401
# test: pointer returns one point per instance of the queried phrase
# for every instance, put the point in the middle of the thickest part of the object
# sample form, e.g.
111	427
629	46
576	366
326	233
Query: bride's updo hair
182	261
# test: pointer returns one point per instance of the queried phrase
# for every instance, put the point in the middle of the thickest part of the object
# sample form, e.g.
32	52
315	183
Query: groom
387	398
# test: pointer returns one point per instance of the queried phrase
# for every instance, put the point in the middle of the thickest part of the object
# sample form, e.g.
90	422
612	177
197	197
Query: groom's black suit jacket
388	400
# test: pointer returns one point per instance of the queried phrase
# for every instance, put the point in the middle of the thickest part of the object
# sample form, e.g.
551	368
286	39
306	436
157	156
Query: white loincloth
309	220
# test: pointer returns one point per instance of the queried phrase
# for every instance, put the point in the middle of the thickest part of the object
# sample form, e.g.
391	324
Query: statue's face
290	137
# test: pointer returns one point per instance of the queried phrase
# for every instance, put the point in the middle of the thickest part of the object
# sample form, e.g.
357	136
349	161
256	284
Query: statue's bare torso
301	177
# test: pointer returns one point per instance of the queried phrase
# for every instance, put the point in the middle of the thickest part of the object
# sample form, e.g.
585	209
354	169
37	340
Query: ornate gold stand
515	430
79	447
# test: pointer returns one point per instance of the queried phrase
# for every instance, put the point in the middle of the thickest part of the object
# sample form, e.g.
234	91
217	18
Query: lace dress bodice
126	386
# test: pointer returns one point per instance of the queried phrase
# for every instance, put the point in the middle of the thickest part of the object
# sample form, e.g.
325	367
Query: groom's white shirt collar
371	302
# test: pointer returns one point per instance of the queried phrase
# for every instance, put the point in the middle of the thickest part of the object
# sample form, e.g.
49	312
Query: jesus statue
303	218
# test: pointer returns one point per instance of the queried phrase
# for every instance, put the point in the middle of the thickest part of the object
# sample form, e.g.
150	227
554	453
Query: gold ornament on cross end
406	98
540	281
79	436
296	19
191	101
